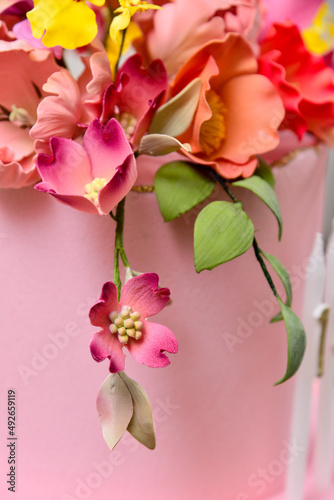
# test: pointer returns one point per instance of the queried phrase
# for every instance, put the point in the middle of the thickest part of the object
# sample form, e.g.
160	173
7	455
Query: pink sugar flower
124	323
23	71
92	177
135	96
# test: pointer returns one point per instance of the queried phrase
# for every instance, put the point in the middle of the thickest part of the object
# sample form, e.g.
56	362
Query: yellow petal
97	2
118	24
72	27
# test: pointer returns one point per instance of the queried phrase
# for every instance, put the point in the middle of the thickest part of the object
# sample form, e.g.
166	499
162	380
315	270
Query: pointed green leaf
264	191
159	144
141	425
277	318
265	172
179	186
282	273
296	341
115	408
223	231
174	117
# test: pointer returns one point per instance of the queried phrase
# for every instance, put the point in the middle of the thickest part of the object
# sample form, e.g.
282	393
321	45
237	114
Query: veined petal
106	345
148	350
143	295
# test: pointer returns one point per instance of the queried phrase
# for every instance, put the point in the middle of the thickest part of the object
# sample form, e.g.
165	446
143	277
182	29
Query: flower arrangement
212	83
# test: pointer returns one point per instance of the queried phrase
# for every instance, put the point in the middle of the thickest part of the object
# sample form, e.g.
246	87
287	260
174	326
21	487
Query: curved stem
120	51
264	268
119	245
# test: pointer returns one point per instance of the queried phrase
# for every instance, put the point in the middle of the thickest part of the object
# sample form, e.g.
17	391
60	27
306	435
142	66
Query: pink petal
107	147
106	345
148	350
141	85
68	170
17	139
99	313
58	114
142	294
17	175
119	186
78	202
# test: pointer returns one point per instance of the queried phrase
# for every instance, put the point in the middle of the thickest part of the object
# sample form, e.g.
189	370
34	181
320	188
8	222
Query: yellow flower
126	10
319	37
112	47
68	23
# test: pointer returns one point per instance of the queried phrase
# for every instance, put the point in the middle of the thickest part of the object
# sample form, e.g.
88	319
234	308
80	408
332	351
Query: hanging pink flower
304	81
124	323
93	177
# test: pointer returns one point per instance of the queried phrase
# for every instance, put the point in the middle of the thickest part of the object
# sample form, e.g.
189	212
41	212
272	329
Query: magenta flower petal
68	170
119	186
99	313
104	345
107	147
78	202
156	338
143	295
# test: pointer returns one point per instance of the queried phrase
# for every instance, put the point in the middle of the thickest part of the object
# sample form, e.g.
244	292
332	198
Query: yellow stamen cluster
128	123
92	189
126	324
212	131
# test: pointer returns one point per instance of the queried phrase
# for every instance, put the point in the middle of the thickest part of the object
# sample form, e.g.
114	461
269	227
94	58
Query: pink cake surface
219	419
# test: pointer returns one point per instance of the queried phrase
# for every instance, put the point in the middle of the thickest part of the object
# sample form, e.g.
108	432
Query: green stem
119	245
120	51
264	268
256	247
225	186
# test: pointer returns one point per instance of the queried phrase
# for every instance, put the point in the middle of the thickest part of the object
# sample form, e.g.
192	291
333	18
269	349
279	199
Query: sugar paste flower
135	96
93	177
126	10
68	23
23	71
238	112
124	323
304	81
181	28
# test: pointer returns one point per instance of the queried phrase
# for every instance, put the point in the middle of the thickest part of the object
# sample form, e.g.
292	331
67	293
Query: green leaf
265	172
264	191
141	425
174	117
296	341
282	273
179	187
223	231
277	318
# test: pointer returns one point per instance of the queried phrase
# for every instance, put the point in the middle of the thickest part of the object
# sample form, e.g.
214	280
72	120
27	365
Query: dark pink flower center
126	324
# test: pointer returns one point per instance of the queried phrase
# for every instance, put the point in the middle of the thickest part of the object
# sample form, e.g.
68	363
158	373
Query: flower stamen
126	324
92	189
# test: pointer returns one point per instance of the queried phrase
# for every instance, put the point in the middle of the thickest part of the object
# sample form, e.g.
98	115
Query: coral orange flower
238	112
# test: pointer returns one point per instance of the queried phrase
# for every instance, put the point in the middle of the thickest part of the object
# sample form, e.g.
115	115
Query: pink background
218	417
